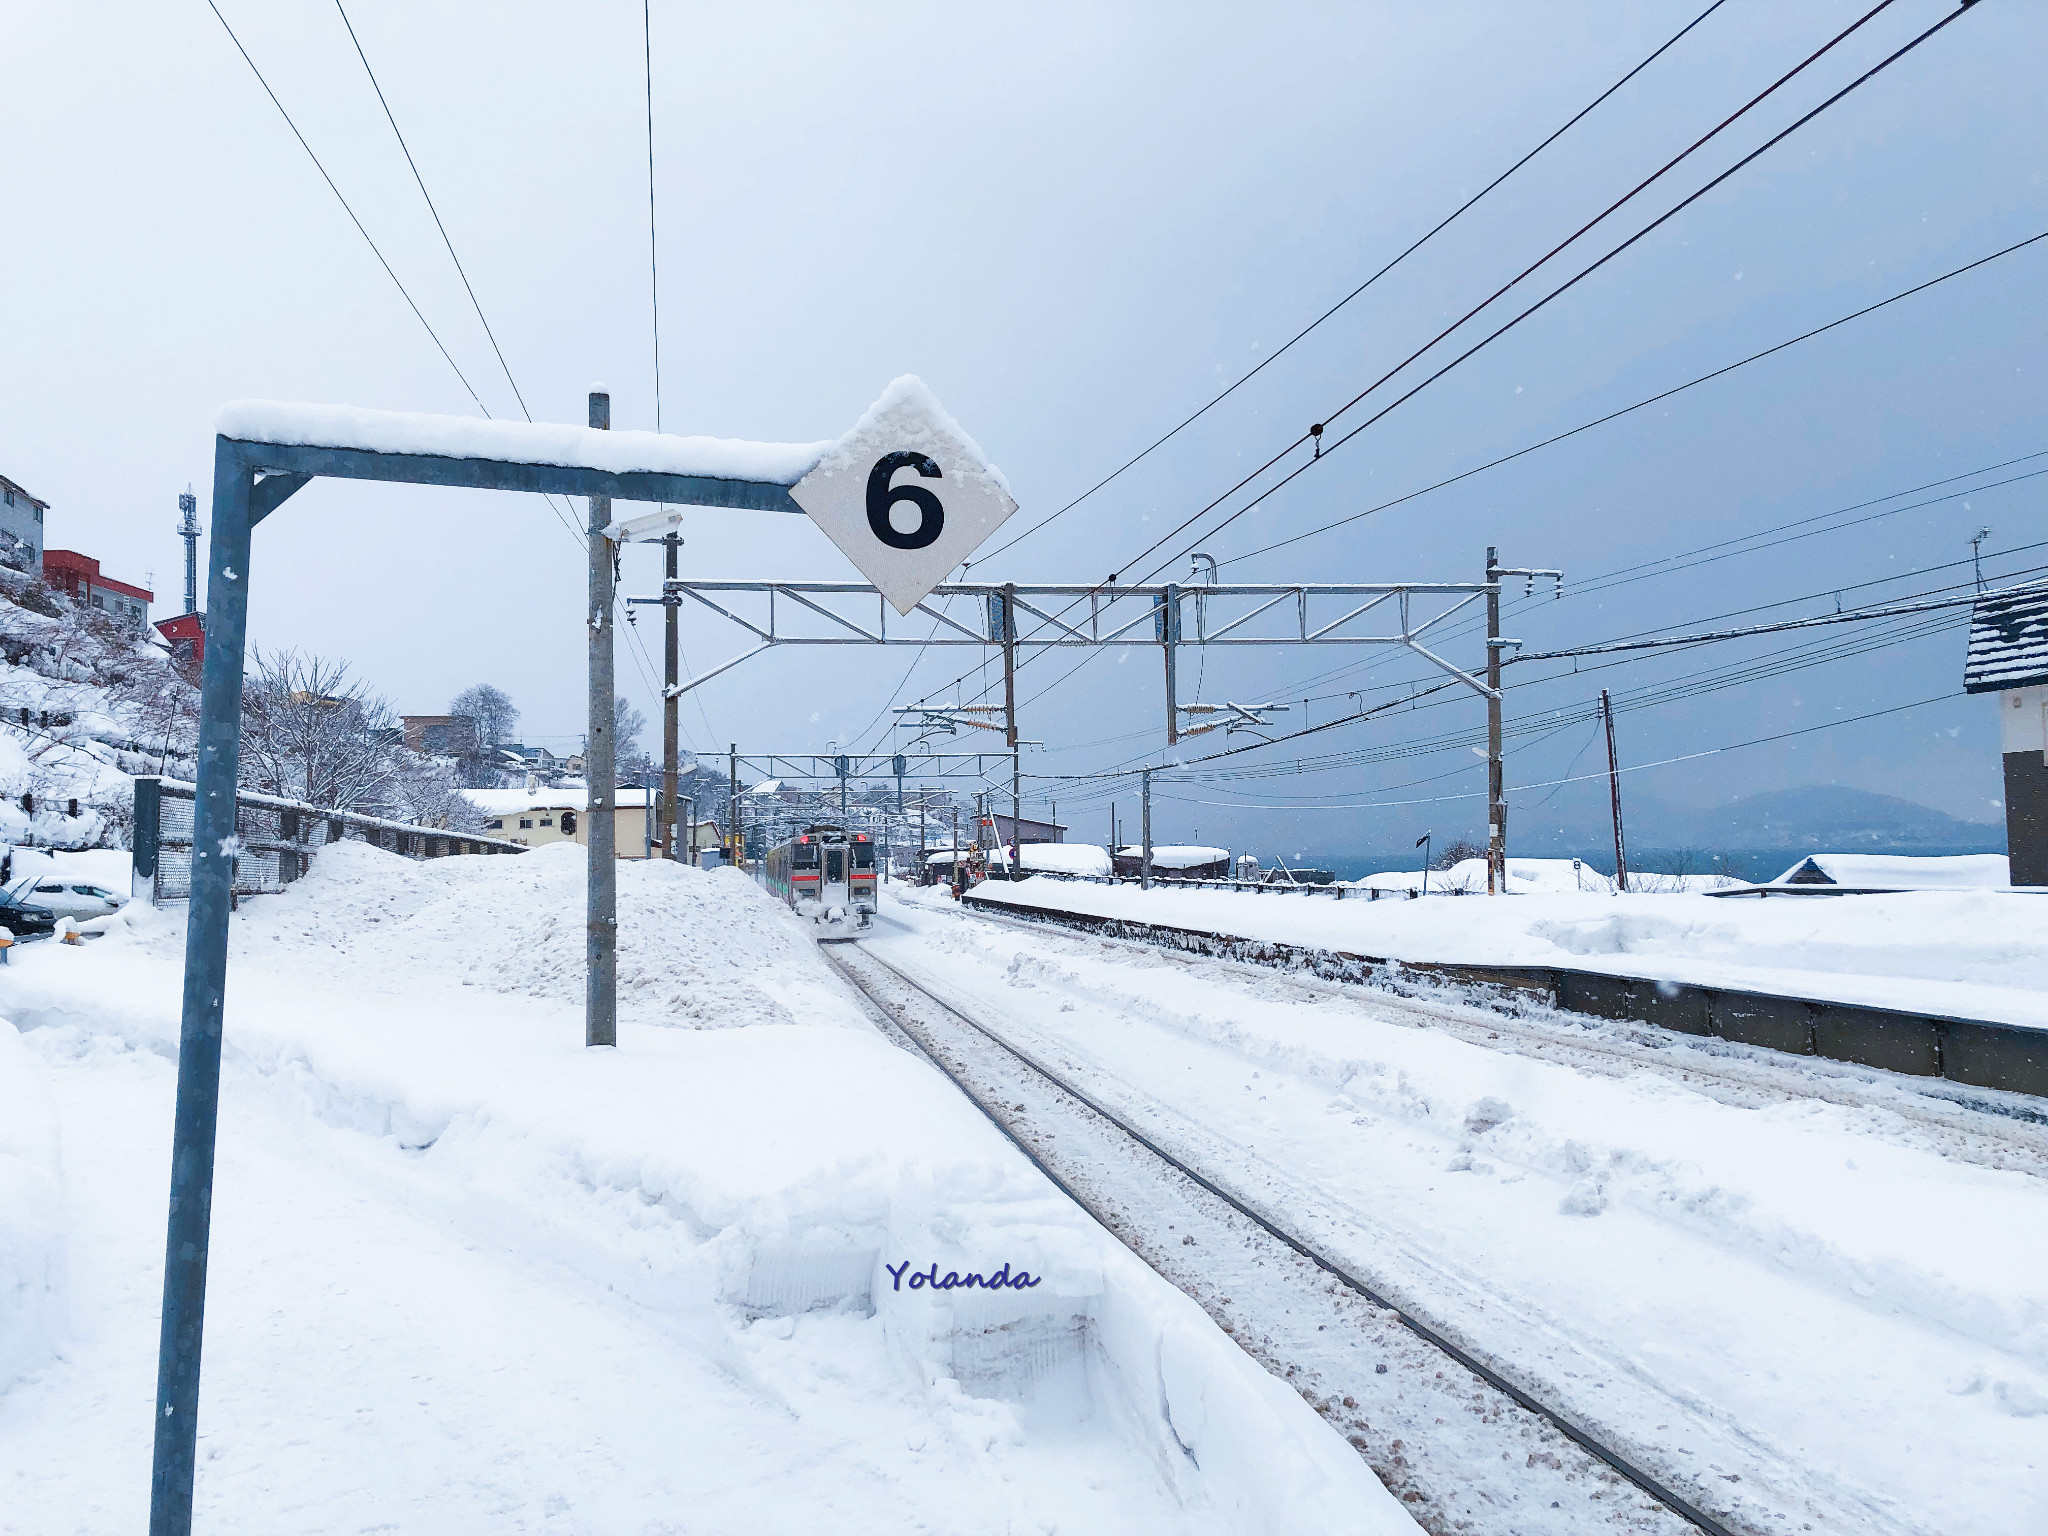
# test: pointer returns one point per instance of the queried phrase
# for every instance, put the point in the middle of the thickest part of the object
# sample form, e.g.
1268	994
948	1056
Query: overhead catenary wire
1485	341
1600	421
1327	314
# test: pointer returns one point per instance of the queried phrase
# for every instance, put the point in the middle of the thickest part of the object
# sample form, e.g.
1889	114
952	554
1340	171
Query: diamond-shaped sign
906	494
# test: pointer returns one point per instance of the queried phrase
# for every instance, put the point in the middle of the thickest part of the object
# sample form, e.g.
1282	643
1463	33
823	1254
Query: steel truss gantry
1015	615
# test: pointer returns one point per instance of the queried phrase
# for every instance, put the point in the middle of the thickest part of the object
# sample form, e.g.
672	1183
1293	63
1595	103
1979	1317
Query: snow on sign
906	494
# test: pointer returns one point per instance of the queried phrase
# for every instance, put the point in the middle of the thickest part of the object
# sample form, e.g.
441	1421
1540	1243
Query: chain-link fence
276	839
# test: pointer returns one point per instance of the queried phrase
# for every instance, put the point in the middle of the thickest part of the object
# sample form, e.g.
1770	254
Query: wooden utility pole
671	678
1614	795
1169	638
600	772
1496	791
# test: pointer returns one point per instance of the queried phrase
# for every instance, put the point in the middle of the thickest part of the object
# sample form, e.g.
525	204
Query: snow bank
729	1176
1970	871
1177	855
31	1240
1063	858
1977	954
469	437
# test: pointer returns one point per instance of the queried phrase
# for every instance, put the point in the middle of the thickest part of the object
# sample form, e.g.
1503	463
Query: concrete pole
1614	795
1496	781
734	835
1145	817
671	678
1015	860
1169	633
600	771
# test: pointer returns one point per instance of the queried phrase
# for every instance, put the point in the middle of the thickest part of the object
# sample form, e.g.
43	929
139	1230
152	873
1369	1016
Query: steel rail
1642	1479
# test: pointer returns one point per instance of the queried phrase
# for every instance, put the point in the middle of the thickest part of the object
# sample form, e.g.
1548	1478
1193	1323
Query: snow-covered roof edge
2008	642
517	442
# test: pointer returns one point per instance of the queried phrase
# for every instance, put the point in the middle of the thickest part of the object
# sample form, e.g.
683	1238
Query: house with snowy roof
2008	658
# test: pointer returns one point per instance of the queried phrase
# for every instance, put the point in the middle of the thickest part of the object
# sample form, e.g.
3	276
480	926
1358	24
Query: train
826	874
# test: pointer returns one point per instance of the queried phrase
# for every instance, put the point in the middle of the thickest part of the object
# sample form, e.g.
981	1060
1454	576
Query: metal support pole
1614	795
1169	633
600	772
1145	819
734	837
671	676
199	1033
1015	859
1496	781
953	875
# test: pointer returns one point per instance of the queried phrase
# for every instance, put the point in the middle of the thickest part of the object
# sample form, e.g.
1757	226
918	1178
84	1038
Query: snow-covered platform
468	1275
1941	983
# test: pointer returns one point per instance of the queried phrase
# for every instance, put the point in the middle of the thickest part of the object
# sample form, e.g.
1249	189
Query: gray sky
1076	223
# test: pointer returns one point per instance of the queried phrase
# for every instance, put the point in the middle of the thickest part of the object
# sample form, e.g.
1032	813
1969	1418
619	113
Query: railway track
1456	1437
1992	1129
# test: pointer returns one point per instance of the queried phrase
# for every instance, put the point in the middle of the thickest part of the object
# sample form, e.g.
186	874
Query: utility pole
1614	795
1145	817
601	944
733	836
953	875
1169	637
1014	860
671	677
1496	793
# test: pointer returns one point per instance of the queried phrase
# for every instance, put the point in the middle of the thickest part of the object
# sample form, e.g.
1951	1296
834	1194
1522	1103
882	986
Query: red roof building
79	576
187	634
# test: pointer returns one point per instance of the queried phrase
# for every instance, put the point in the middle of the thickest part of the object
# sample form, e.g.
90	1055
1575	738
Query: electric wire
1641	404
1531	310
1431	234
653	254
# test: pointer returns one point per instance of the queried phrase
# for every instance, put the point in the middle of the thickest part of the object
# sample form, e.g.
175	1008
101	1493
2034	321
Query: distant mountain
1815	817
1807	819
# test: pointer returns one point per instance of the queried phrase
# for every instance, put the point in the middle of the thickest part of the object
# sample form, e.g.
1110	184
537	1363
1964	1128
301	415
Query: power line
1599	421
308	148
1354	293
416	176
653	255
1555	293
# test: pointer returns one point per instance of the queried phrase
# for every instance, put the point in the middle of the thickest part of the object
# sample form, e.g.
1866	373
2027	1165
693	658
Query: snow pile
1063	858
1177	855
760	1196
31	1242
912	418
1976	954
1970	871
1528	876
469	437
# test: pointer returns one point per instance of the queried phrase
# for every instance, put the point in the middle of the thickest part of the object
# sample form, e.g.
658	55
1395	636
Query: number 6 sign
907	495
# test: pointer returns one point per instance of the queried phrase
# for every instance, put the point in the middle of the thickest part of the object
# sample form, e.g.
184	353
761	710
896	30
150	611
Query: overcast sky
1076	224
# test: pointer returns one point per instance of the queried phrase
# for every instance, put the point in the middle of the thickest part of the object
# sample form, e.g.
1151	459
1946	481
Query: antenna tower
188	530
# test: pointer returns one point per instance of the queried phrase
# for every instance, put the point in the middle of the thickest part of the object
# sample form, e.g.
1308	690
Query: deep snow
469	1276
1837	1310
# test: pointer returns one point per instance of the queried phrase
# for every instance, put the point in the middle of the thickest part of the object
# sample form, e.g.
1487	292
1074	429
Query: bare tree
428	791
627	724
493	718
311	732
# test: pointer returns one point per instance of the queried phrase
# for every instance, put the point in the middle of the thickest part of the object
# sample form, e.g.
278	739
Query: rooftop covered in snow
2008	642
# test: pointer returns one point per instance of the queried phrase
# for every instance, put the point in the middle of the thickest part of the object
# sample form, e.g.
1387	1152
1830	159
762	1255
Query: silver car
78	900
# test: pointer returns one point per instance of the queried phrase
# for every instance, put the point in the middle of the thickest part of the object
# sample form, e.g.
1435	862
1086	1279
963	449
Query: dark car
23	919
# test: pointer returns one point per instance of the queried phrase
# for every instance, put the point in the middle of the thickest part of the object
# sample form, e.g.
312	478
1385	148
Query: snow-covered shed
2008	657
1189	861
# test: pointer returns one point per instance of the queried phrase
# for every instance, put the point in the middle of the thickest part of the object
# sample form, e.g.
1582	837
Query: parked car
23	918
78	900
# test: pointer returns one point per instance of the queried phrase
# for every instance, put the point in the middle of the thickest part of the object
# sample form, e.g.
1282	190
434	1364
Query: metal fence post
601	947
206	955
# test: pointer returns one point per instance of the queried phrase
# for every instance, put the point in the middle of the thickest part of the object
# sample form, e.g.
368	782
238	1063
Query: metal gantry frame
251	479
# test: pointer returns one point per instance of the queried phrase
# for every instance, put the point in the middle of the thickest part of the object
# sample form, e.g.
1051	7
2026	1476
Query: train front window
835	865
803	855
863	855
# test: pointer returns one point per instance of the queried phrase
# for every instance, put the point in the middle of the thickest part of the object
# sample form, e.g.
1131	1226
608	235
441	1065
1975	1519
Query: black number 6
931	520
